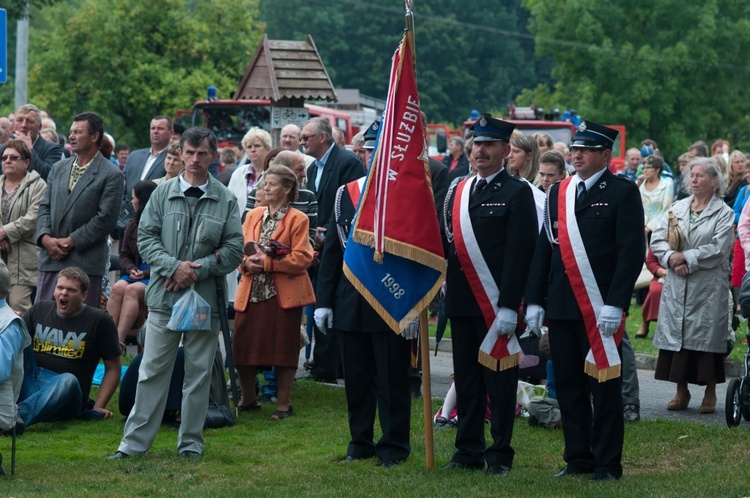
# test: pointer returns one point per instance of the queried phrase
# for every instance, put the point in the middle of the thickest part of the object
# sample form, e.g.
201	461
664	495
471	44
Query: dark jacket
462	168
341	168
610	219
503	216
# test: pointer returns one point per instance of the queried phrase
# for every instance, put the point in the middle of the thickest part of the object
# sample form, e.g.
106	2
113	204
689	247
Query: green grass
646	346
300	457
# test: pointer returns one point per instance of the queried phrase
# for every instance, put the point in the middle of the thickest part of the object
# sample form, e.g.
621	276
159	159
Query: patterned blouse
263	282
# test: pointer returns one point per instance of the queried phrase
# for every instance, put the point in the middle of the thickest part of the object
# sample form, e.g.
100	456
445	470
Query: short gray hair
4	280
358	139
322	125
27	108
712	169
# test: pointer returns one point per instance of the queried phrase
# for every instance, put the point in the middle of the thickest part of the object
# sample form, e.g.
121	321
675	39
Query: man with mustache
490	231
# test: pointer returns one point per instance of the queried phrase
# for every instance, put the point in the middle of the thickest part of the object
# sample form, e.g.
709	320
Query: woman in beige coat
21	194
694	308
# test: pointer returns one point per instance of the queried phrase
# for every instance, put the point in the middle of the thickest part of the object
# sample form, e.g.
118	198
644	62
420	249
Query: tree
129	60
466	58
672	71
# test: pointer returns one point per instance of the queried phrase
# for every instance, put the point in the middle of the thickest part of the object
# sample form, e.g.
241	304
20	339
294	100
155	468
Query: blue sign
3	46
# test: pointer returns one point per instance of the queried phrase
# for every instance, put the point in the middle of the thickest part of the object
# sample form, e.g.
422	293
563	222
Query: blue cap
371	135
594	136
489	129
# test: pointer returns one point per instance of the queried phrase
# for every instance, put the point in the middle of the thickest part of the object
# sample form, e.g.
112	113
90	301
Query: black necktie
479	187
582	191
193	192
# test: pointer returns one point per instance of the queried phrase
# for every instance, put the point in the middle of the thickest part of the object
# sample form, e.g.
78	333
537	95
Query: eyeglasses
305	138
10	158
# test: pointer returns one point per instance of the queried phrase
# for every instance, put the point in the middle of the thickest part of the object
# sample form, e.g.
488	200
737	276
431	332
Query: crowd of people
540	237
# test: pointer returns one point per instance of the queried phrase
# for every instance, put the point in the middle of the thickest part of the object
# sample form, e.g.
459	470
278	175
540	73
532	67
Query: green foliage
128	61
467	58
15	8
669	70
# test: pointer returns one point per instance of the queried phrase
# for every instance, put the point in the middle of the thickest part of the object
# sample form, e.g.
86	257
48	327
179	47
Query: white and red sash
497	352
602	361
354	189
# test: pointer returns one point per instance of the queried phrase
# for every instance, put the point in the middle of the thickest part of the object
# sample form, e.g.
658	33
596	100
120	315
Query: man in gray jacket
189	234
78	211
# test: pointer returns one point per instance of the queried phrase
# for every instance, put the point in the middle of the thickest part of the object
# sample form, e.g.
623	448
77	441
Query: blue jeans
270	386
47	396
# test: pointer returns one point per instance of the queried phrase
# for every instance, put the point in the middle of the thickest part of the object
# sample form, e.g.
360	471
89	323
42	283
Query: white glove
535	318
609	321
505	321
323	317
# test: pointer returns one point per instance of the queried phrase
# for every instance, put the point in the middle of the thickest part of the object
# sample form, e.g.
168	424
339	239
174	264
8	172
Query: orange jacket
293	287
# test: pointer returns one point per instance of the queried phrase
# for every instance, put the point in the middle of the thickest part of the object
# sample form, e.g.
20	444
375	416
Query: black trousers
326	355
376	376
474	383
593	440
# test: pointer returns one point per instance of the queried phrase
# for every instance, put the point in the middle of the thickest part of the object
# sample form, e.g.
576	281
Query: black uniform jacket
504	220
350	310
610	219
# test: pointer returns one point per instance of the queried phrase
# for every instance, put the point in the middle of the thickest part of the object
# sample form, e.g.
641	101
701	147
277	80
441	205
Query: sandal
251	406
281	414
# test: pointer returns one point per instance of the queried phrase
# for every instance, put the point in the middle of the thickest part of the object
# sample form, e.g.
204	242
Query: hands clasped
183	277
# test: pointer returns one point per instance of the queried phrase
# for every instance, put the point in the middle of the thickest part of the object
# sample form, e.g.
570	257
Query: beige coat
23	260
693	311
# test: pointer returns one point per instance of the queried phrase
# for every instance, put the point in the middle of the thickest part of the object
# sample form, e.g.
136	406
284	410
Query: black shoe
604	476
389	464
118	455
456	465
567	471
441	423
190	455
497	469
631	413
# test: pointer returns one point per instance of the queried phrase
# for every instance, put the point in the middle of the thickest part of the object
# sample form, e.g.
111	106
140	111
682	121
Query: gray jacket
694	310
88	214
23	259
168	236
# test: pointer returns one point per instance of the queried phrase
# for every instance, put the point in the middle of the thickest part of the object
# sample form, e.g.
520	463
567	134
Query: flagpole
424	340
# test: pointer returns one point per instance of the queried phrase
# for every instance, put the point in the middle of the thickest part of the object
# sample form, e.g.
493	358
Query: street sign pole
3	46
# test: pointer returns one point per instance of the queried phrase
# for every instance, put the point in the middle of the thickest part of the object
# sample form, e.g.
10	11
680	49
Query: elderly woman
656	192
693	320
272	292
21	195
523	160
172	163
257	143
127	299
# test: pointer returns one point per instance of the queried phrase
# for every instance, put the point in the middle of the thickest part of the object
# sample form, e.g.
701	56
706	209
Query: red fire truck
529	120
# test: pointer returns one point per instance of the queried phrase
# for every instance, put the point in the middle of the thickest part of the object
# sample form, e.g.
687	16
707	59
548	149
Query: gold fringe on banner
397	327
496	365
604	374
402	249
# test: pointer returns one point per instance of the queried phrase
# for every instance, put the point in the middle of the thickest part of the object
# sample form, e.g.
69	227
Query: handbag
675	237
218	416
